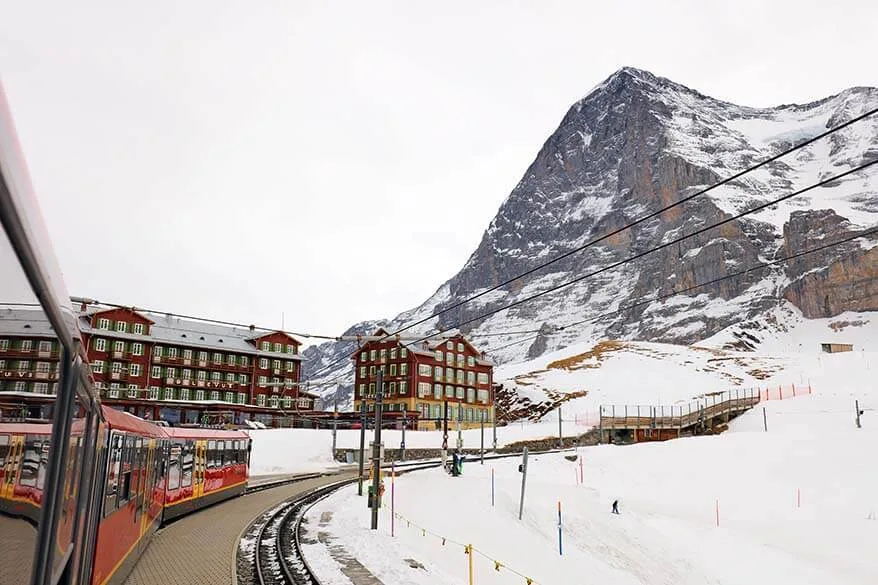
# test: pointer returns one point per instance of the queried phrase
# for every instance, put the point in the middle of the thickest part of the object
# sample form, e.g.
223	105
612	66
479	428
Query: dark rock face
634	145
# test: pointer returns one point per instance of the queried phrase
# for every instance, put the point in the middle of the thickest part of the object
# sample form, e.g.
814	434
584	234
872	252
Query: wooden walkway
664	422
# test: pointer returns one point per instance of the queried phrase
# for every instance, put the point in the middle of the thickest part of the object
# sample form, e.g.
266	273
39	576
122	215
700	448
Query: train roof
187	433
128	422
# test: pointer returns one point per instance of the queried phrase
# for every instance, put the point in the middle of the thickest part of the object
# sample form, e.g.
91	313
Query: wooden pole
469	552
764	419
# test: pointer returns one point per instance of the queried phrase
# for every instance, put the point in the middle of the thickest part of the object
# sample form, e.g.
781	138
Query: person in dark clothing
455	464
615	506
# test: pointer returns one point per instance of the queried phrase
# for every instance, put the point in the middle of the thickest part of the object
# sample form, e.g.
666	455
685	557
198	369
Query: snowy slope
794	507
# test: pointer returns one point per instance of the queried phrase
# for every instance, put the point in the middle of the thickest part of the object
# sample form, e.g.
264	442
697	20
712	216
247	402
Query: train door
138	479
11	465
200	466
149	483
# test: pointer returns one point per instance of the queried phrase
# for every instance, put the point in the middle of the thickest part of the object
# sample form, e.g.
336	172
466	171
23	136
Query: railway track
269	551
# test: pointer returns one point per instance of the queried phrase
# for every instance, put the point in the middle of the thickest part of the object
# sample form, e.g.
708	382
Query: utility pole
334	423
459	423
362	442
445	435
482	446
405	423
523	482
859	412
376	450
560	431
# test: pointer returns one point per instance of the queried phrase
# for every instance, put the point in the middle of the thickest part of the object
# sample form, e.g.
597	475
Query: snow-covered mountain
633	145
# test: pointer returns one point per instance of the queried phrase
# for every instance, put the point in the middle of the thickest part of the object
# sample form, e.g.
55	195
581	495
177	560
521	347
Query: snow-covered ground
788	353
797	505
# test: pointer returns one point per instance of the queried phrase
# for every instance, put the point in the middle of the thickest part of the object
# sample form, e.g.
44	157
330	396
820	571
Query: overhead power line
615	232
652	299
659	247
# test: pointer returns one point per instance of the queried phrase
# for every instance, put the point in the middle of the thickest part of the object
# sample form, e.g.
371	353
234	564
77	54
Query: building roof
19	322
170	330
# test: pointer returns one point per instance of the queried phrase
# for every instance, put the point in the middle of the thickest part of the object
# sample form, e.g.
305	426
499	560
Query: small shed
837	347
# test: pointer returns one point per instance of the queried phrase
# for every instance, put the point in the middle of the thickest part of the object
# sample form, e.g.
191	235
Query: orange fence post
794	389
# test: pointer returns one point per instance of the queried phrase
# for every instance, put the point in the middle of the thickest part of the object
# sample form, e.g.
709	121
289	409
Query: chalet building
836	347
421	380
161	366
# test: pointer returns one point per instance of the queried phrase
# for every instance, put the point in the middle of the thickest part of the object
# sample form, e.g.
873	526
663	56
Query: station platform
16	550
199	549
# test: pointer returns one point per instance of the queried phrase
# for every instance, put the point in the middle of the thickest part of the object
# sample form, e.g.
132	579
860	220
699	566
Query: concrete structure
836	347
423	378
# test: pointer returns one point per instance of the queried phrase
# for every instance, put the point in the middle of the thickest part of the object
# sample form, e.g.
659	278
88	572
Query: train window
44	461
174	468
30	467
187	465
4	450
114	468
235	453
128	457
220	453
211	454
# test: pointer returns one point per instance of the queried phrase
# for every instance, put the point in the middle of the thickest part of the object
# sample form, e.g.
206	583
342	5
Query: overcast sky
338	161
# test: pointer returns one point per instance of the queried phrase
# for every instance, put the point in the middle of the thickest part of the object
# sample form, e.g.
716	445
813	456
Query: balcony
30	354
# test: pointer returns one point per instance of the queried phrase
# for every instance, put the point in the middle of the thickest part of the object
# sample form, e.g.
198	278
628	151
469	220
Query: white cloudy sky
338	161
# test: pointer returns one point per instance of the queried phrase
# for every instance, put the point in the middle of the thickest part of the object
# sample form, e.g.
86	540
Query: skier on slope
615	506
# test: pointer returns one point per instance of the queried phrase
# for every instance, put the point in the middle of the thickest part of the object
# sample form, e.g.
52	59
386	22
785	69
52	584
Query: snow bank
290	451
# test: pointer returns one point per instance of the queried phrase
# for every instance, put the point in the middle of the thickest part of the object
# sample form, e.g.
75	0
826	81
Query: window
459	346
403	387
187	464
437	391
231	360
187	374
459	378
157	351
403	353
202	357
100	344
172	352
199	395
393	353
363	356
242	398
266	346
97	367
459	393
392	388
201	375
119	346
288	401
263	363
392	369
372	389
449	345
21	386
184	394
214	395
275	364
449	391
361	390
132	390
372	370
169	394
291	366
171	373
262	380
137	348
217	358
483	378
138	328
23	366
187	354
470	361
460	360
4	345
470	378
362	371
470	395
273	402
121	326
134	370
215	376
116	367
242	378
230	378
277	348
403	369
439	355
26	345
41	388
437	373
372	355
449	359
382	355
104	323
291	348
114	469
153	392
45	347
245	361
42	367
229	397
260	400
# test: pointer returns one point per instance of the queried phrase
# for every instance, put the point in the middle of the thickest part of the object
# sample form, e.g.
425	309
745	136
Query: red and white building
423	379
162	366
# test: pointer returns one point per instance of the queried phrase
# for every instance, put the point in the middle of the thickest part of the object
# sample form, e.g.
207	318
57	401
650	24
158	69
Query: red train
148	475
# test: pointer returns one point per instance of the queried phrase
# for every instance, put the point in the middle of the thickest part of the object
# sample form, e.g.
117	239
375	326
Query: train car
132	495
205	466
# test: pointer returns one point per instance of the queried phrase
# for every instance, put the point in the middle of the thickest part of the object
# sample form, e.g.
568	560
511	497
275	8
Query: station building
157	366
425	379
